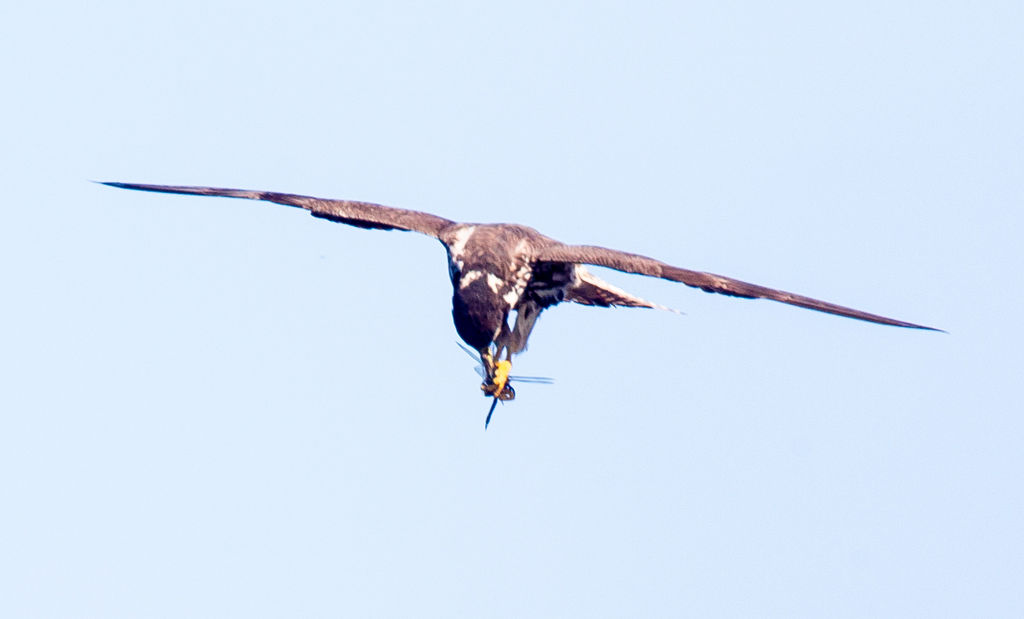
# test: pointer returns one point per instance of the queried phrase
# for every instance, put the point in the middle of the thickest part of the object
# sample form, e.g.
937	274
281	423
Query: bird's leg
496	382
487	360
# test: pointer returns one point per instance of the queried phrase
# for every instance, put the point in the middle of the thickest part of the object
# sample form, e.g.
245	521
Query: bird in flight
496	269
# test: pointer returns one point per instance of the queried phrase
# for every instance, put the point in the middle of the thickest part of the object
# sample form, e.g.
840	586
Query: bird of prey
496	269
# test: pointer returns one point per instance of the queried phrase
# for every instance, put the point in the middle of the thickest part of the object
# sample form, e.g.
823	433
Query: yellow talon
501	370
496	386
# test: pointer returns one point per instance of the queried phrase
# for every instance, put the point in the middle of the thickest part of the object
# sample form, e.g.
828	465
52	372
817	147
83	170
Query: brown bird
498	268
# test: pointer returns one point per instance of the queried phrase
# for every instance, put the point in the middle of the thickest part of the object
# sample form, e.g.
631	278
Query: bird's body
495	270
500	269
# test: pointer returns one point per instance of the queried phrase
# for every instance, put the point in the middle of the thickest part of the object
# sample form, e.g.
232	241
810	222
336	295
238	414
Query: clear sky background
221	408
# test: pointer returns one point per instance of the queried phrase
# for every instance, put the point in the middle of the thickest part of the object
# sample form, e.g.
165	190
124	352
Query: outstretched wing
588	289
359	214
708	282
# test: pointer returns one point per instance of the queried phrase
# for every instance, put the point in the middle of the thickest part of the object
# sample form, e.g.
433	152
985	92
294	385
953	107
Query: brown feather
708	282
360	214
589	289
495	244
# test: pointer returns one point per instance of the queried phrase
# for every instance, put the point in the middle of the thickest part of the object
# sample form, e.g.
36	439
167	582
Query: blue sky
221	408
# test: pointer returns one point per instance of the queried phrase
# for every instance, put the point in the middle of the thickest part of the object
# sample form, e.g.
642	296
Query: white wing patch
459	243
470	277
511	297
494	282
520	278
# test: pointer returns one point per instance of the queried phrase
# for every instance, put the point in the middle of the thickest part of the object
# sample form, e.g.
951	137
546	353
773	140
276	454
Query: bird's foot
497	383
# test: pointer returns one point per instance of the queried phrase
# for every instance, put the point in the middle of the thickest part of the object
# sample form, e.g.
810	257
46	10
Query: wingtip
914	325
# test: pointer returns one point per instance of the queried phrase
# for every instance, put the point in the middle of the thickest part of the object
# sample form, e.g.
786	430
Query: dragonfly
499	387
